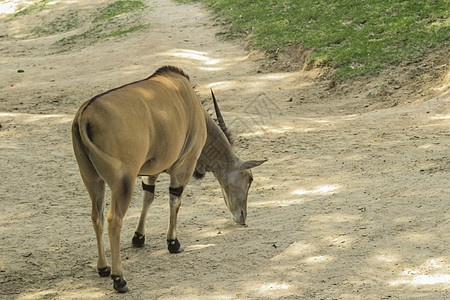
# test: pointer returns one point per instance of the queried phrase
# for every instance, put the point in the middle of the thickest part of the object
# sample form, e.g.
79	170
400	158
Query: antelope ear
252	163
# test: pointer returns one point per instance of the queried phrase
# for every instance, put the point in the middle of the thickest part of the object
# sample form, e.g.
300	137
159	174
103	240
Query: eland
145	128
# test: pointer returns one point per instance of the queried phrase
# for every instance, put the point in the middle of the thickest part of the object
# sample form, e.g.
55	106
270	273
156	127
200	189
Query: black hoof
120	285
138	240
104	272
174	246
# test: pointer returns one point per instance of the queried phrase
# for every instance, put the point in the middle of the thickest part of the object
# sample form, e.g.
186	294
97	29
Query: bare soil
353	202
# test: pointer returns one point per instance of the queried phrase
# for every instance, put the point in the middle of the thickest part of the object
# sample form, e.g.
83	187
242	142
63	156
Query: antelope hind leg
120	200
95	186
97	192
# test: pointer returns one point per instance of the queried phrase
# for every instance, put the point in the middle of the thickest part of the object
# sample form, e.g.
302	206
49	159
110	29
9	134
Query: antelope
144	128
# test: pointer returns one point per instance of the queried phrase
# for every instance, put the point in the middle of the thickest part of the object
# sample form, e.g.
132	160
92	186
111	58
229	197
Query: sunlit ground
433	272
319	190
11	6
194	55
29	118
51	294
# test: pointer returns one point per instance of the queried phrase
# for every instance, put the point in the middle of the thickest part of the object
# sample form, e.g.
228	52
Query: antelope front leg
180	173
148	185
175	202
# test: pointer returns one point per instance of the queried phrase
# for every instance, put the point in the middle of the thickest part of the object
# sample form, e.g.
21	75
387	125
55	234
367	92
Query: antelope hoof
120	285
174	246
104	272
138	240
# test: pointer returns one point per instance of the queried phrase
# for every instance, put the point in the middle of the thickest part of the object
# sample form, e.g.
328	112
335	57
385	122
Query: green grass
38	6
354	37
112	20
124	31
64	23
99	32
117	8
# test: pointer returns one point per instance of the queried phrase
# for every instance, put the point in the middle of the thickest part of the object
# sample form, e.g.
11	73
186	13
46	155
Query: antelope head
234	174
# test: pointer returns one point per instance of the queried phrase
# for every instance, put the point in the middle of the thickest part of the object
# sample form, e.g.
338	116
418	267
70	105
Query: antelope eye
250	179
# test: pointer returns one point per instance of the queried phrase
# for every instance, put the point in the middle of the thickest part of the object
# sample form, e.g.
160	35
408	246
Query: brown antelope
145	128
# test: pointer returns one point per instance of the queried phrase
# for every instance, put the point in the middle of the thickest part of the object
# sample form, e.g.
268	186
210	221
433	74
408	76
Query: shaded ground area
352	204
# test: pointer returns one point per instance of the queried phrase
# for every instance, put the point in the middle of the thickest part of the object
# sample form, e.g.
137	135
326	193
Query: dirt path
352	204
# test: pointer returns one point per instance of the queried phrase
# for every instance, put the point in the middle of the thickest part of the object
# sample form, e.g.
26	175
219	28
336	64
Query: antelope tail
101	161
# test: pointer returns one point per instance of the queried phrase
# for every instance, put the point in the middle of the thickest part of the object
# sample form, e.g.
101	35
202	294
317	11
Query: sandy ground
352	204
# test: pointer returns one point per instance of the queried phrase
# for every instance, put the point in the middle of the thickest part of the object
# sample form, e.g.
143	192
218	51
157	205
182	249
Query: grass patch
35	7
357	38
61	24
112	20
117	8
124	31
97	33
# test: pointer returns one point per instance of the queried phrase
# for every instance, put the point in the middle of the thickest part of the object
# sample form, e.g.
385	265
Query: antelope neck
217	153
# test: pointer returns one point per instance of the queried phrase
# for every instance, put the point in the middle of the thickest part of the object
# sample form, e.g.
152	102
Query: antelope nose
240	218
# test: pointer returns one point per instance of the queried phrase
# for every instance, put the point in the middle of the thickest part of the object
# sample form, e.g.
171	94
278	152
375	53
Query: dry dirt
352	204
